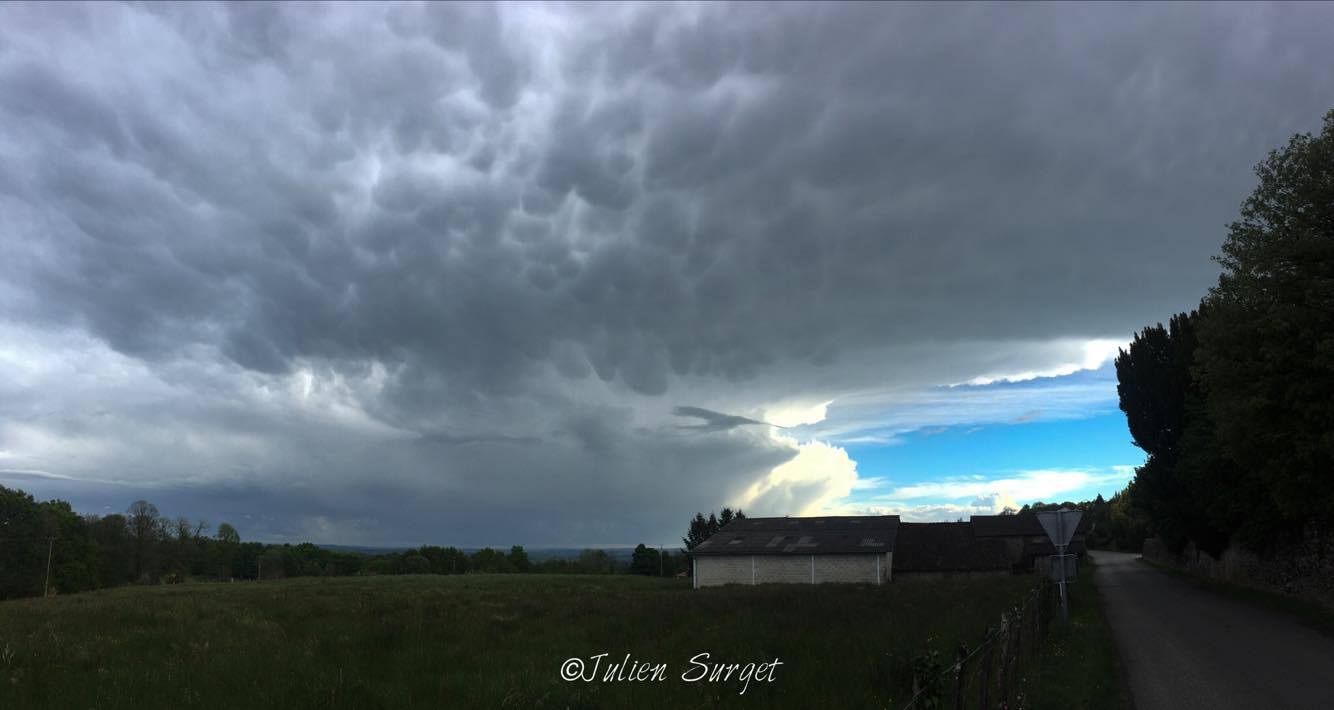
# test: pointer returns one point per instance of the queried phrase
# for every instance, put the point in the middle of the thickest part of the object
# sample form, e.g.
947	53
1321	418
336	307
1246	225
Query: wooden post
986	672
1033	626
1019	640
958	678
1004	641
46	585
1037	624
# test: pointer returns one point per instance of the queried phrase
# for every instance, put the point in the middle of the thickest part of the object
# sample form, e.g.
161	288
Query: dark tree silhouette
702	528
1234	402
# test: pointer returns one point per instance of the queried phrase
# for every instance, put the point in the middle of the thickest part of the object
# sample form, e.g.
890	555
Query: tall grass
478	641
1080	665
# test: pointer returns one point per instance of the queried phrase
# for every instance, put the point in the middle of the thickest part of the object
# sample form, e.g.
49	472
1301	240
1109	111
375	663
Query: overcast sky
565	274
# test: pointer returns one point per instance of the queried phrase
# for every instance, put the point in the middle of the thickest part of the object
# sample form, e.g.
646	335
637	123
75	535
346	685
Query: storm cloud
399	273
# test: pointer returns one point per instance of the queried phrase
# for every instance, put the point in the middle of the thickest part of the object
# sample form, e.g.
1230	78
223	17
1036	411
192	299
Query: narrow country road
1188	648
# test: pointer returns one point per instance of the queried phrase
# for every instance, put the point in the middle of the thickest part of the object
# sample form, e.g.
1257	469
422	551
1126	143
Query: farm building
872	549
1024	539
934	550
798	550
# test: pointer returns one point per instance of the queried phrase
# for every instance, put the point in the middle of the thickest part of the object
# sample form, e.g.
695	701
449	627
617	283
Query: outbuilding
1025	541
798	550
940	550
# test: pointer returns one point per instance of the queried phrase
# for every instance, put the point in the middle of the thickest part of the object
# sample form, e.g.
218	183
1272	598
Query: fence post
1042	618
1032	626
1005	659
986	671
1036	648
1019	639
958	678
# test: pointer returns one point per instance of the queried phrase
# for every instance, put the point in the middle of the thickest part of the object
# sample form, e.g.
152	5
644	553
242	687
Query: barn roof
1020	525
943	547
803	536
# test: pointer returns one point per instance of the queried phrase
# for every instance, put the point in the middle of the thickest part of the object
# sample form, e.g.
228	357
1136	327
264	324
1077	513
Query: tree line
1113	523
46	547
1234	401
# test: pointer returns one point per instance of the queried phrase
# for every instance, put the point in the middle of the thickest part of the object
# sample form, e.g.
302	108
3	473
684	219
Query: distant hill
535	554
365	550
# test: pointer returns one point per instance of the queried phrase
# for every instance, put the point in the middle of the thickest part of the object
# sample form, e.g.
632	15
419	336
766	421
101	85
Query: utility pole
46	586
659	560
260	561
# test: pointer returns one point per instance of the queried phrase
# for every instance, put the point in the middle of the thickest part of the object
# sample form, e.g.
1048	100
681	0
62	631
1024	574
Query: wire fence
992	673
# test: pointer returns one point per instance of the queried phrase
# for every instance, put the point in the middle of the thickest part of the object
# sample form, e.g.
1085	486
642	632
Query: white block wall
711	570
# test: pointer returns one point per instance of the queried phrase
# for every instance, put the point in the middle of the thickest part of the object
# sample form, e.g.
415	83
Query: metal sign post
1060	527
1065	606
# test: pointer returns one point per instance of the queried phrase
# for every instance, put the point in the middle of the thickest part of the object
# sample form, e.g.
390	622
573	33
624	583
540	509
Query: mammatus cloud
444	272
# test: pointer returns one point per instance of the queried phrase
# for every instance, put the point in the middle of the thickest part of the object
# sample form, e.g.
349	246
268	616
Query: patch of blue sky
1059	438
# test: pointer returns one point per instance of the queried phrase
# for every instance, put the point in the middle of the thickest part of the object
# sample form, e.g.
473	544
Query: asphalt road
1188	648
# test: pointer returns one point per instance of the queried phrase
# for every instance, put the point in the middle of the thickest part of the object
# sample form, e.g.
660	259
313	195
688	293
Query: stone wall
1302	567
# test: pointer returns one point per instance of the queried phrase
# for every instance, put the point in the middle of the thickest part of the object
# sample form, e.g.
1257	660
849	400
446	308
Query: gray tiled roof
945	547
803	536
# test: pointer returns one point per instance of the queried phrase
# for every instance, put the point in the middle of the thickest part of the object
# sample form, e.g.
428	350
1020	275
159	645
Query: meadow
480	641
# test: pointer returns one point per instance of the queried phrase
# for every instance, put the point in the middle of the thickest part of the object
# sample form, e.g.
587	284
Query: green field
478	641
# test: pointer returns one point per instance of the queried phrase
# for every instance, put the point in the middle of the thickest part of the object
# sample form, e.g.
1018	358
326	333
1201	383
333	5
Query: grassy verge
1080	667
478	641
1310	614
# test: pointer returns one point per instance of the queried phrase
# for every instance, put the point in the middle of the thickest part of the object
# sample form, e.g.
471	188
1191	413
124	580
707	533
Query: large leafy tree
145	525
1267	351
1234	403
518	559
644	561
1154	381
227	534
1160	398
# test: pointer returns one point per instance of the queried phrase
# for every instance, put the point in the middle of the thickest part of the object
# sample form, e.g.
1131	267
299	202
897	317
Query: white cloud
920	513
996	493
1096	354
815	478
797	414
964	496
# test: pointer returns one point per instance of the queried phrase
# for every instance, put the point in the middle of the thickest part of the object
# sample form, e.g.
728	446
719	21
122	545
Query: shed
930	550
1025	541
798	551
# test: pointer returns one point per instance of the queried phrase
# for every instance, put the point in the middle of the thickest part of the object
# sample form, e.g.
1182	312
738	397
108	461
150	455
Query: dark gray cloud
501	242
714	421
